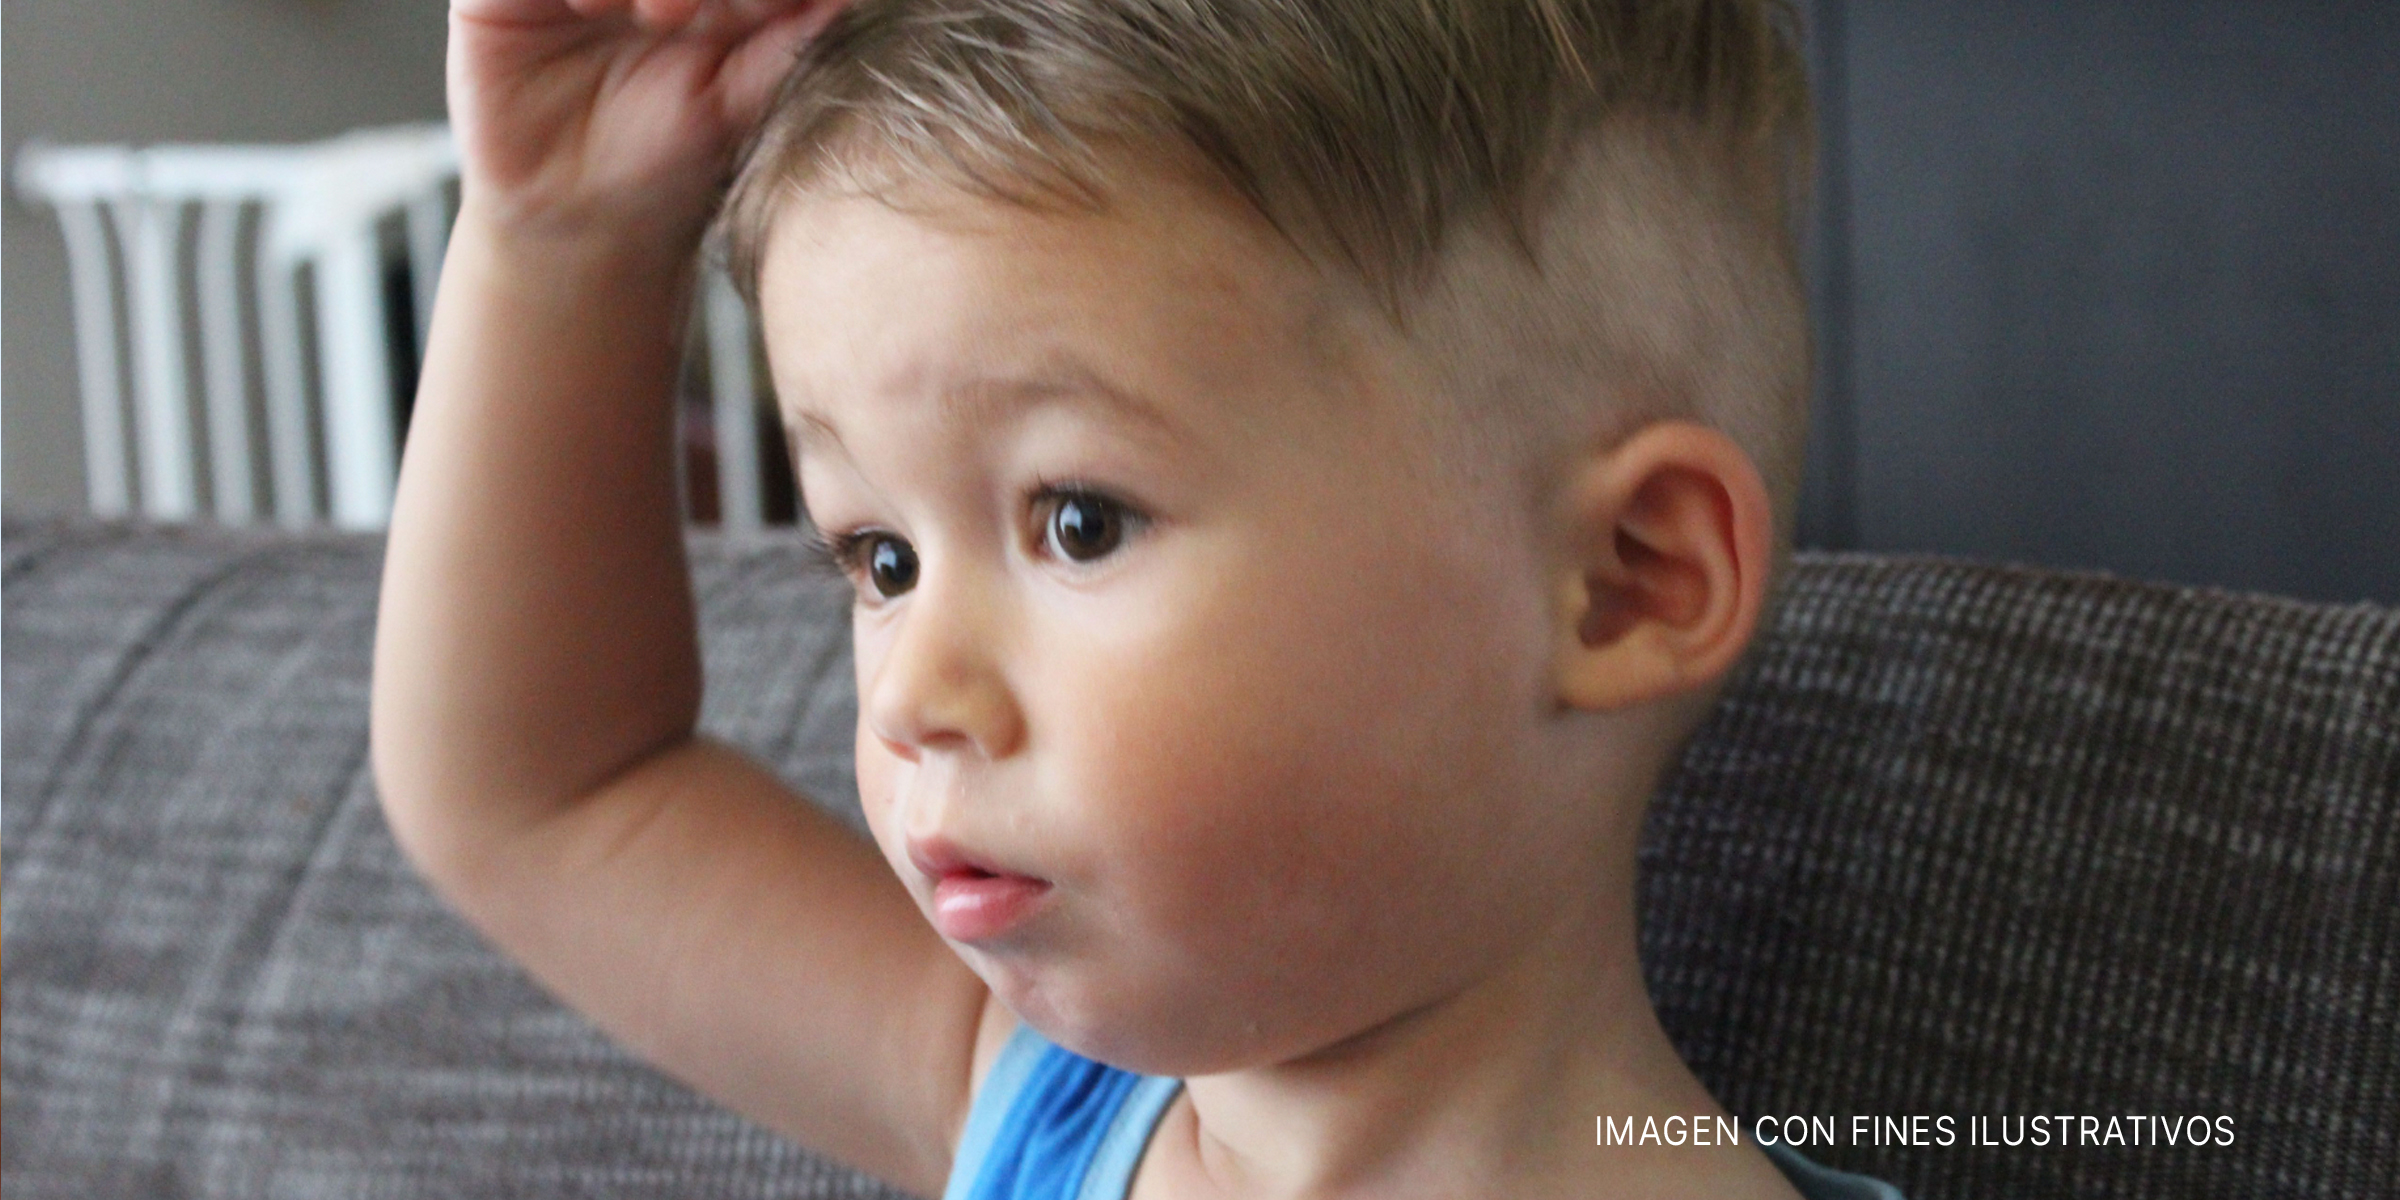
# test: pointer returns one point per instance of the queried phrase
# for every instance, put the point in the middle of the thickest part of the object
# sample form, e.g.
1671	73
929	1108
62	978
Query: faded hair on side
1372	134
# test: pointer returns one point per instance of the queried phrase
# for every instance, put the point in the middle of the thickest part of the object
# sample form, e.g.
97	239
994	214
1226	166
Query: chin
1072	1016
1149	1036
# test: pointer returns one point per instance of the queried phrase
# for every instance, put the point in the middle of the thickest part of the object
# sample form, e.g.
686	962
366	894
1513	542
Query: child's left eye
1081	525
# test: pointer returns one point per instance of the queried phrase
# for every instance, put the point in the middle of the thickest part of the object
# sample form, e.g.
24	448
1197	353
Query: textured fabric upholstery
1986	840
1964	840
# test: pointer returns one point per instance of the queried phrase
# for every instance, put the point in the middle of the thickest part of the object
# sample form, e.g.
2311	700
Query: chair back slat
298	254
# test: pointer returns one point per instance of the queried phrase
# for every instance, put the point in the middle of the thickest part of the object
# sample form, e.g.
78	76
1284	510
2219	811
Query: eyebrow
990	397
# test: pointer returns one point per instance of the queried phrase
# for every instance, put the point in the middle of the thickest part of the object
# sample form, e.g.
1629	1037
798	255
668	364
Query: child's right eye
891	565
872	558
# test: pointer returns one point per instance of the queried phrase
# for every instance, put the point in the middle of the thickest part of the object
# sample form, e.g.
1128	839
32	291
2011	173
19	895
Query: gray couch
1966	841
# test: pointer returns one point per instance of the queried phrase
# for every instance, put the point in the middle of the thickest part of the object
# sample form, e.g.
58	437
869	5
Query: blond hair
1645	160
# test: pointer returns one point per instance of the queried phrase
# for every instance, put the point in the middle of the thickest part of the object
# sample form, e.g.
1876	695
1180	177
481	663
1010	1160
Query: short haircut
1644	161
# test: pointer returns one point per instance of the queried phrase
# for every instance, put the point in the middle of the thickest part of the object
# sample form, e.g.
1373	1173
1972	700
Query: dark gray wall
168	70
2114	284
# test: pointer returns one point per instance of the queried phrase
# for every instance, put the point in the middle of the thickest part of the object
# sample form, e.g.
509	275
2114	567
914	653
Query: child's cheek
1298	801
878	779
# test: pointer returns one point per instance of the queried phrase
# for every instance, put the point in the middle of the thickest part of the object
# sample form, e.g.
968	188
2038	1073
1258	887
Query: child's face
1185	622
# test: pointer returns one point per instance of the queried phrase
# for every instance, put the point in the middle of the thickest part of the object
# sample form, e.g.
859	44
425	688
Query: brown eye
892	566
1084	526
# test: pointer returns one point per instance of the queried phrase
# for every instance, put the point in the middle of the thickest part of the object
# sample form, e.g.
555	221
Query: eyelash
844	552
841	553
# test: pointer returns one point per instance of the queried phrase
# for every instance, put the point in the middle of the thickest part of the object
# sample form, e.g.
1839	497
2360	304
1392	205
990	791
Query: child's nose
937	684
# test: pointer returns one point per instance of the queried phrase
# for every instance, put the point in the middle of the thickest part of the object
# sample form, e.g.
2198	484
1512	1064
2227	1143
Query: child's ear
1667	540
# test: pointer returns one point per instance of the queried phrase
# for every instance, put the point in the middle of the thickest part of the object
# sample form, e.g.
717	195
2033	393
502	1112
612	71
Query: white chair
339	212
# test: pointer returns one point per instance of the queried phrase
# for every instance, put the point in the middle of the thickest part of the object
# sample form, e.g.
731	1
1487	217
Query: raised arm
537	673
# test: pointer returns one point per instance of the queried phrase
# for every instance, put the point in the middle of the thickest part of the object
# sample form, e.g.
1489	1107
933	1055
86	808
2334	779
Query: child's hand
613	118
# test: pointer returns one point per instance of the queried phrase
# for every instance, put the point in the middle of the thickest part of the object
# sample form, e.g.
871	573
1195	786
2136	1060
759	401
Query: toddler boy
1306	467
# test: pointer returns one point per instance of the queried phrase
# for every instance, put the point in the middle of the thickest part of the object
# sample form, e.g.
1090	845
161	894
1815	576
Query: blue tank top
1050	1124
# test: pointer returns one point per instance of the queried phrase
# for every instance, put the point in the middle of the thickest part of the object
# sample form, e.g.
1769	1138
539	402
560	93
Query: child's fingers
753	71
534	12
712	18
704	16
740	18
666	14
758	12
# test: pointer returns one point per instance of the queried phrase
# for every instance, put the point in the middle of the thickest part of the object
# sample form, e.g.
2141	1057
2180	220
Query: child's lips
973	899
972	906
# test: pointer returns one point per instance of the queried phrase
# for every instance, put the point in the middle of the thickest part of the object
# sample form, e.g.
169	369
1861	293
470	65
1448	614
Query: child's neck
1493	1090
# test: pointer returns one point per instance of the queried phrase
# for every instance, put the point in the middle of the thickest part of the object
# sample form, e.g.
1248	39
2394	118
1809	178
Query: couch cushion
1974	840
1964	840
222	979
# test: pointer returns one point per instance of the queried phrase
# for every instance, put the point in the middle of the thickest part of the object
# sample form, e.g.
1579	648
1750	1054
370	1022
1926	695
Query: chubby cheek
878	782
1301	807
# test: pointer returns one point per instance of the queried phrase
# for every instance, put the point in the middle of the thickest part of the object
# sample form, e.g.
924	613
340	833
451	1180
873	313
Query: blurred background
2104	284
